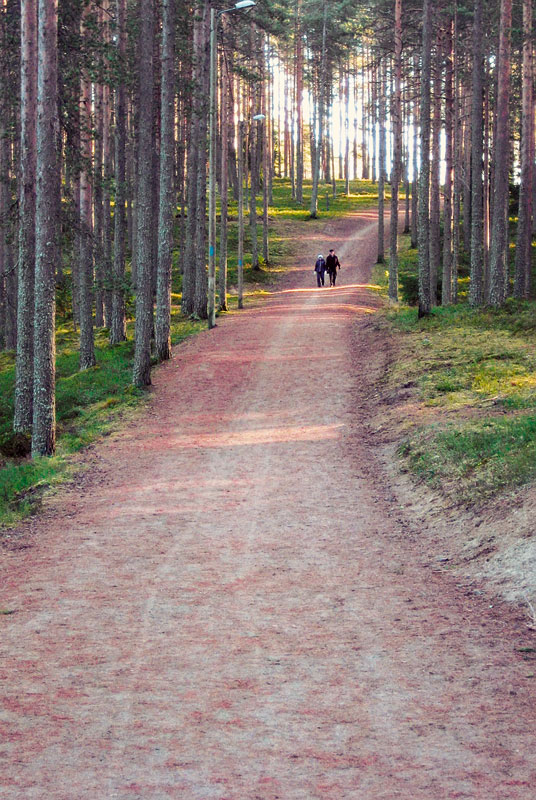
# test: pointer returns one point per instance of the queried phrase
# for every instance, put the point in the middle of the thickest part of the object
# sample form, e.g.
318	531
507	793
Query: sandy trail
236	607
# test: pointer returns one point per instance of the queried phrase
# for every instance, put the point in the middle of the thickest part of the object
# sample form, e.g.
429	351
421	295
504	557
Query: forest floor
237	602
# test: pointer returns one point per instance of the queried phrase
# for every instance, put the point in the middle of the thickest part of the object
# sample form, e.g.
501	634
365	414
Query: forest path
235	607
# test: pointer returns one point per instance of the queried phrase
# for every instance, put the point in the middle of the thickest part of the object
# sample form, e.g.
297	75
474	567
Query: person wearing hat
320	268
332	265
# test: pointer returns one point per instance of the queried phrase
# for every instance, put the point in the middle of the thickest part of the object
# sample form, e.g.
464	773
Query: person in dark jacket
332	265
320	268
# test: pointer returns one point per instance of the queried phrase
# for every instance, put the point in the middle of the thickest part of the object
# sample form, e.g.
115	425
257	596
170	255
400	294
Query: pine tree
26	264
47	240
141	375
167	189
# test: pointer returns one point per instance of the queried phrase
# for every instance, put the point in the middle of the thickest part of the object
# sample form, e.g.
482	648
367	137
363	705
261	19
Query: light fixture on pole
214	18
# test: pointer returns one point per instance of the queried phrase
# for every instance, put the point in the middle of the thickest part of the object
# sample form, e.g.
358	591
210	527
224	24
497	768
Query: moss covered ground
469	428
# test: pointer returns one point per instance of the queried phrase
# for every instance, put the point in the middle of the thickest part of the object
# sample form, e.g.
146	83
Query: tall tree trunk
425	300
405	176
85	266
347	134
415	159
382	69
26	278
141	375
485	199
106	201
435	205
47	227
456	165
299	105
466	165
194	146
241	143
253	193
321	99
200	251
118	324
265	178
226	111
373	119
397	155
446	292
6	267
365	84
524	228
499	223
98	199
476	294
167	189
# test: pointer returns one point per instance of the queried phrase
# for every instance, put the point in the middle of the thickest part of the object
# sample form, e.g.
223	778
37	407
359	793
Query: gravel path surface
234	606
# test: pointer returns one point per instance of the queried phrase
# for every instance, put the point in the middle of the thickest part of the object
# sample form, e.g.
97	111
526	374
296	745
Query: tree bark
85	265
241	138
321	97
499	222
435	205
415	159
226	115
106	201
98	202
381	165
265	181
141	375
476	293
446	292
200	251
347	134
365	84
397	155
167	189
26	277
299	104
456	165
47	239
373	119
466	166
6	267
118	325
425	300
524	228
194	146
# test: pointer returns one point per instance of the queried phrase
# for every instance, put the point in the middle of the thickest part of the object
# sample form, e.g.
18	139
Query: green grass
474	371
90	404
477	459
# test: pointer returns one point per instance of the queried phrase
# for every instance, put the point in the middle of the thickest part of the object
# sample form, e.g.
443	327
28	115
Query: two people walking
330	265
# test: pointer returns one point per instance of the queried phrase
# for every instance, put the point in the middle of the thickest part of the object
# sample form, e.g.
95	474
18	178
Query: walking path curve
236	608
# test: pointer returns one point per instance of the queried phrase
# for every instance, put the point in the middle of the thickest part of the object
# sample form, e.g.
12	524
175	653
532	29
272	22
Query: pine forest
267	399
105	148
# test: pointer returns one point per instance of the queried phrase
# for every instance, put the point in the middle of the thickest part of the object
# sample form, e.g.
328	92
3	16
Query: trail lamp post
214	19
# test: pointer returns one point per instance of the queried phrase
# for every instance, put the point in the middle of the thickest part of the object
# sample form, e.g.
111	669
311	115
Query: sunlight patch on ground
312	433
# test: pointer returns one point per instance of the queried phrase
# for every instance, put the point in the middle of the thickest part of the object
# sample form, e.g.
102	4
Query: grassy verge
88	405
92	403
469	422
